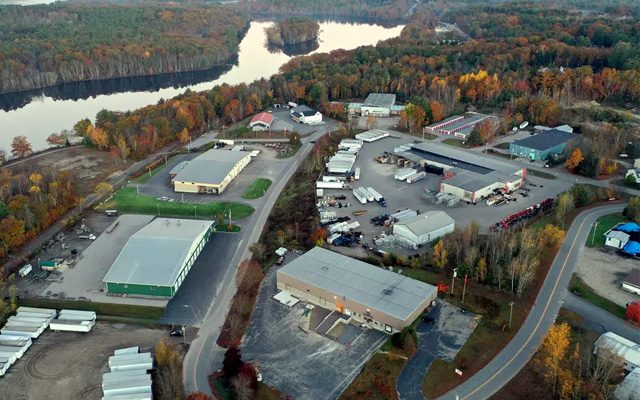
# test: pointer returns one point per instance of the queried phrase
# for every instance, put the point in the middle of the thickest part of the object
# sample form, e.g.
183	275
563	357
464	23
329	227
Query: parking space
441	337
83	281
401	195
265	165
298	361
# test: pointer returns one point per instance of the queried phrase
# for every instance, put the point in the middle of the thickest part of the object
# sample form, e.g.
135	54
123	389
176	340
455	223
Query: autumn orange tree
574	160
20	147
552	361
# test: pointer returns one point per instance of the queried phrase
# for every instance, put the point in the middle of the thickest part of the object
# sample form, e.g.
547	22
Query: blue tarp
632	248
627	227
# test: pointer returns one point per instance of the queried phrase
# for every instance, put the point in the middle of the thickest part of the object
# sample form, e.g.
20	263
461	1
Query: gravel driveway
604	271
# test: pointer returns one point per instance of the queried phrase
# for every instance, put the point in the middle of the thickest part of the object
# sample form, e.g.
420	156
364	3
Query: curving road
521	348
204	355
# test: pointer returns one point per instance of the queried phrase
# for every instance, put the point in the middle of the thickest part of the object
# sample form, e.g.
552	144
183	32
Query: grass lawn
292	151
540	174
377	381
604	223
454	142
128	201
257	189
227	228
578	286
502	146
133	313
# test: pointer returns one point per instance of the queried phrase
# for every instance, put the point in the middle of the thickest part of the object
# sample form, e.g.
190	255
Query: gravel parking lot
297	361
67	365
604	271
402	195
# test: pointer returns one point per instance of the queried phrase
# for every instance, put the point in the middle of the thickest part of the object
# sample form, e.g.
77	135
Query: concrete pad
84	280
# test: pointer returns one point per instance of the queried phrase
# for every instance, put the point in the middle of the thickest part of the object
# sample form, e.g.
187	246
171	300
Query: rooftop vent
387	291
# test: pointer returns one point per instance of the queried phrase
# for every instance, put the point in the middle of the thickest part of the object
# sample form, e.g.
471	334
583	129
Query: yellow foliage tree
550	358
183	136
440	256
575	159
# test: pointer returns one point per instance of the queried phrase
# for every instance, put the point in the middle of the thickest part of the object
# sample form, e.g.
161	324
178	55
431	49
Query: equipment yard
70	365
420	195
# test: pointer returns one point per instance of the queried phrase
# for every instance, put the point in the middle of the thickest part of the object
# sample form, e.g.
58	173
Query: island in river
291	32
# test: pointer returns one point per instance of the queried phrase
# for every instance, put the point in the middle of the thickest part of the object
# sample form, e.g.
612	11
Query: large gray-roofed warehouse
370	295
156	259
210	172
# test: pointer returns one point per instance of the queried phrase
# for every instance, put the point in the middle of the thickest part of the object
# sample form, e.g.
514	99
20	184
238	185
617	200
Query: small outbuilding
616	239
631	282
425	227
542	145
306	115
363	293
261	122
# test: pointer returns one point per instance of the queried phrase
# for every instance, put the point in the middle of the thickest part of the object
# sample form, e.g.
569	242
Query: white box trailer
333	237
38	310
337	227
329	185
25	270
356	174
403	173
361	198
127	362
127	350
136	396
59	325
77	315
417	177
376	195
367	194
4	367
404	214
352	225
40	320
111	376
29	331
17	350
10	356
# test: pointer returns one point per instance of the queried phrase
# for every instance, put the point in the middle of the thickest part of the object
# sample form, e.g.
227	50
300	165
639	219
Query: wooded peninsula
45	45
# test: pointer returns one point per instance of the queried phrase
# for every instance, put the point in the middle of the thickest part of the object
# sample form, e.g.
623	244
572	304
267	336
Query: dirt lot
604	272
88	166
67	365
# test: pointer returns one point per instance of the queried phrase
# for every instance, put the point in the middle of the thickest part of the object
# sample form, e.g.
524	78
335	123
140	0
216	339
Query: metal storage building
210	172
628	351
378	104
425	227
542	145
631	282
370	295
156	259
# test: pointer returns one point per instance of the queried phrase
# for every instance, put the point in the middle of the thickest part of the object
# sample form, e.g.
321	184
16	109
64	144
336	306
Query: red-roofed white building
261	122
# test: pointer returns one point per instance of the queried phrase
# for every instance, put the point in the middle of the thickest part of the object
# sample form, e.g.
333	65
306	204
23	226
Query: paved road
521	348
204	355
599	320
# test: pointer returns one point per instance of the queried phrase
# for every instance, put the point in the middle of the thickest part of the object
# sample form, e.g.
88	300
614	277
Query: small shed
616	239
631	282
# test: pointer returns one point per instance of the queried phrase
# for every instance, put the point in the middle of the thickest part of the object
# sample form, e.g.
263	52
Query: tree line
44	45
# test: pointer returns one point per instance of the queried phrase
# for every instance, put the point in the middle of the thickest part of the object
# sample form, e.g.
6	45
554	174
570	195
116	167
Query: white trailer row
342	227
404	173
404	214
376	195
74	321
417	177
329	185
358	194
128	378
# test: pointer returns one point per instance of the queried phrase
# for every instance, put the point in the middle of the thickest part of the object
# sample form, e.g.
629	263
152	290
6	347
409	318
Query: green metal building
156	259
542	145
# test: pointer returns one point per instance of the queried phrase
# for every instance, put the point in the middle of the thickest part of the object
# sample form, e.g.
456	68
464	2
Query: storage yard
70	364
368	186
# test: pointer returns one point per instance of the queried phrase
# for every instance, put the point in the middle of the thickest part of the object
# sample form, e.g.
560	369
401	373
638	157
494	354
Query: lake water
40	113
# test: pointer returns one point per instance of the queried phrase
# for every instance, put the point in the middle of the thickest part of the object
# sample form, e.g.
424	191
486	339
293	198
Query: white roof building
629	388
210	172
616	239
425	227
622	347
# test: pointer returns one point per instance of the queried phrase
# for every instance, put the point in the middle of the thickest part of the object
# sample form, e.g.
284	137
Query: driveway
442	339
296	360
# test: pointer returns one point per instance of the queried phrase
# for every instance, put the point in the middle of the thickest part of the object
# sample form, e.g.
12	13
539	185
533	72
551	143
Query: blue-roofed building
632	248
542	145
627	227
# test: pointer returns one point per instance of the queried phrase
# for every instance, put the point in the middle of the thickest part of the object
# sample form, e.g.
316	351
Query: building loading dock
425	227
210	172
370	295
542	145
157	258
466	175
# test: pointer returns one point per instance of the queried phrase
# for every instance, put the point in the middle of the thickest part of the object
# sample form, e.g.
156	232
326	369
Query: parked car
177	332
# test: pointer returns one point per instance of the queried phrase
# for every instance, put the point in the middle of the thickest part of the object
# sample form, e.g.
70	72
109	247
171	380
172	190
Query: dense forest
379	10
292	31
45	45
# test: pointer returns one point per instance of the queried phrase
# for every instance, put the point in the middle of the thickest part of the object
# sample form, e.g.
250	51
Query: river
55	109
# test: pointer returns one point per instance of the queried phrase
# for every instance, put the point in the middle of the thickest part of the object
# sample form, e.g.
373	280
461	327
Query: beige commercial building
210	172
370	295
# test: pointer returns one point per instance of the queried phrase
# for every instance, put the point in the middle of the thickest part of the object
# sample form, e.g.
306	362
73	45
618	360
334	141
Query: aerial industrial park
414	216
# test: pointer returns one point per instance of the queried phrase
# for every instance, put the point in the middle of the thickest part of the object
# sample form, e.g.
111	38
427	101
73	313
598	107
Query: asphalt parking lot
282	119
189	305
441	339
265	165
401	195
299	362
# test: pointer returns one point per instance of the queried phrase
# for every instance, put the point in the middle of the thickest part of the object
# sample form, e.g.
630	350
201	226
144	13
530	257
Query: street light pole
593	236
453	281
510	312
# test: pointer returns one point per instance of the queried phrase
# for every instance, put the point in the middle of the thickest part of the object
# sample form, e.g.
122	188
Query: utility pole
453	281
510	312
195	212
464	288
593	236
158	208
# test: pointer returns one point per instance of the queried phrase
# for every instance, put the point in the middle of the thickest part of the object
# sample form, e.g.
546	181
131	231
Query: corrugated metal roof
633	278
546	140
156	253
620	346
427	222
376	288
380	100
211	167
